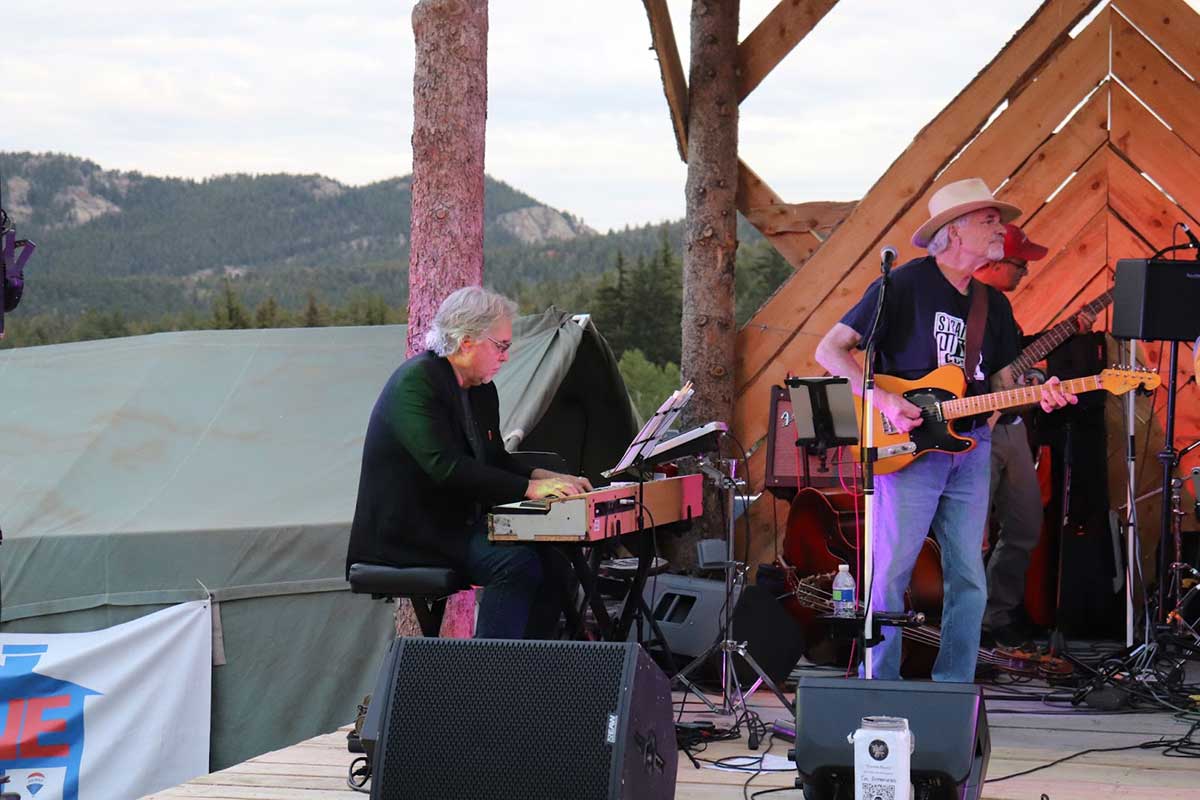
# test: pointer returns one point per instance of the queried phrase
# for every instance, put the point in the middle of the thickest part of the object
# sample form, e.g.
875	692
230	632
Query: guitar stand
732	695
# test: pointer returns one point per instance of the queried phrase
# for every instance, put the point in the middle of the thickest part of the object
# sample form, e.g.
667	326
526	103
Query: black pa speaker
948	723
1156	300
491	719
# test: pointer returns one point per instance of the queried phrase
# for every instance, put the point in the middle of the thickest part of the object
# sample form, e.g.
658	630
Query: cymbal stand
732	696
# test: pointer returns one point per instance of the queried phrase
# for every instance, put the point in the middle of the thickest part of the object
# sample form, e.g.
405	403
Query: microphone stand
868	462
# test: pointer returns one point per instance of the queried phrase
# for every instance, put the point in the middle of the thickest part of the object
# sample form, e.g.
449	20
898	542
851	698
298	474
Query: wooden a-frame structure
1094	133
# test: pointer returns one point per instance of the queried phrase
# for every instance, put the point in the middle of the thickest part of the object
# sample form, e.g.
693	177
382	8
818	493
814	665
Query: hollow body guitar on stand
939	395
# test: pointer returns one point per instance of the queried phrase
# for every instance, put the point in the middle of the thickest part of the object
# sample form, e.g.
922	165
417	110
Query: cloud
576	111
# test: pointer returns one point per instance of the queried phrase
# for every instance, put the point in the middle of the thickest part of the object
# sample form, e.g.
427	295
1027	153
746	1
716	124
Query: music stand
823	412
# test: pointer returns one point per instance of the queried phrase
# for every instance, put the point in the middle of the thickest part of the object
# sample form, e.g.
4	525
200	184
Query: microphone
1191	237
887	256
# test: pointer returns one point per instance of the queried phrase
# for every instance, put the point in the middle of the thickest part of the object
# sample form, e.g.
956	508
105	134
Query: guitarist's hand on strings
902	414
1054	397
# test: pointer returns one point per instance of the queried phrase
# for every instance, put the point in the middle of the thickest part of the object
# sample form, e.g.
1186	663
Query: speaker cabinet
687	610
1156	300
948	722
690	611
785	467
492	719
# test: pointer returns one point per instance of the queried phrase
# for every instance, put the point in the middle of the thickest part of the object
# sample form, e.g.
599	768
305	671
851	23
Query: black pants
525	588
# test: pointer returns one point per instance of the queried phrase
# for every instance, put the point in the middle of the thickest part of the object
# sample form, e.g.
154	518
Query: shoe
1011	635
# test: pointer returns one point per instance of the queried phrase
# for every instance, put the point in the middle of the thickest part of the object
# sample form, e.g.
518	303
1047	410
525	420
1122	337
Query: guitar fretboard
1052	338
1021	396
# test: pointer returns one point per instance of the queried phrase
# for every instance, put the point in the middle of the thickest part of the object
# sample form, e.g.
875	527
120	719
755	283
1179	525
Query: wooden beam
753	193
1159	83
774	37
906	182
1061	154
820	217
662	35
1054	288
1173	25
1142	205
1155	150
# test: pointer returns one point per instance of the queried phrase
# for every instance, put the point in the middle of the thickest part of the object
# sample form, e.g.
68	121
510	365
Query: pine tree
313	314
610	309
266	315
228	311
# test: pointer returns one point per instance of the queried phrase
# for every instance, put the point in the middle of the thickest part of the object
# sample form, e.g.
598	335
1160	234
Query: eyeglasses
501	347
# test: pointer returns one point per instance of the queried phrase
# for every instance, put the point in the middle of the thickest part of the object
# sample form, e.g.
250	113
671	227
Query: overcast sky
576	114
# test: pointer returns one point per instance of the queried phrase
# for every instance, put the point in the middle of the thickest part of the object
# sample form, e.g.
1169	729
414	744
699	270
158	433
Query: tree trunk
446	243
449	119
710	240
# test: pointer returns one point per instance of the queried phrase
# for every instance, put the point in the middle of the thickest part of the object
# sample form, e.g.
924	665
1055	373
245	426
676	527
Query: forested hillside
121	253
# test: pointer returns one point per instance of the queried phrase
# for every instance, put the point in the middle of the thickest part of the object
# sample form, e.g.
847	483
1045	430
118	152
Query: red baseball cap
1017	245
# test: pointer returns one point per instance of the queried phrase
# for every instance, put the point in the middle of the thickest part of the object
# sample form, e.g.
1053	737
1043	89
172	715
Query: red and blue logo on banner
41	723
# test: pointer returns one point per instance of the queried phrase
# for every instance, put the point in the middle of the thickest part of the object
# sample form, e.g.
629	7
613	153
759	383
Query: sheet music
652	432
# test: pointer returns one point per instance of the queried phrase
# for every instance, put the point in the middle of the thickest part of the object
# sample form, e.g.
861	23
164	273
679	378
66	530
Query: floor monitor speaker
490	719
948	723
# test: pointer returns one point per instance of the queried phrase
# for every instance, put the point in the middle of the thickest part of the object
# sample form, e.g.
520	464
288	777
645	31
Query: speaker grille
501	719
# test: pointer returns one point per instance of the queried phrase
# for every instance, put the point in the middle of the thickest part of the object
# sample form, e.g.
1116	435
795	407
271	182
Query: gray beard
995	251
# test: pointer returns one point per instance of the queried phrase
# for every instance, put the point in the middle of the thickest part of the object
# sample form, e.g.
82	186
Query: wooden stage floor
1026	732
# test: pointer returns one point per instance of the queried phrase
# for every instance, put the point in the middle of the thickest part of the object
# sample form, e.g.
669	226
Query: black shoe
1011	635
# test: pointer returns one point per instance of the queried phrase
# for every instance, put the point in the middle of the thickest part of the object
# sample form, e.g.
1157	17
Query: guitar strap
976	322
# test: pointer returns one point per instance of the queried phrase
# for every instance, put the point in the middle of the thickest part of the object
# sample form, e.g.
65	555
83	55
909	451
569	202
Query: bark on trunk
449	119
446	243
710	241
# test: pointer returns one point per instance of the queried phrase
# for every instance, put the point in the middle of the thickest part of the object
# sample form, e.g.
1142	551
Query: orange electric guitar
939	394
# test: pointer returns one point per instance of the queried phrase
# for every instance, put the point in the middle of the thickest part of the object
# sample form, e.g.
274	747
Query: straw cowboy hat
955	199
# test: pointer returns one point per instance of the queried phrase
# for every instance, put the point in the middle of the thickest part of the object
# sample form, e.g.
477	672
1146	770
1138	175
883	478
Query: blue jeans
948	495
525	588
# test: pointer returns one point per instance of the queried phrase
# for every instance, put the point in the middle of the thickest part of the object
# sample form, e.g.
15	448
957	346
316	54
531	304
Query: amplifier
1156	300
785	470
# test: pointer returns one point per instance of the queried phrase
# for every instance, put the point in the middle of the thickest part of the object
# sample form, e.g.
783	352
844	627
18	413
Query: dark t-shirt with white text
924	325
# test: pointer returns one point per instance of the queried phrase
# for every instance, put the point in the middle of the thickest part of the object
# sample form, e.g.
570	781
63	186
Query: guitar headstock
1119	380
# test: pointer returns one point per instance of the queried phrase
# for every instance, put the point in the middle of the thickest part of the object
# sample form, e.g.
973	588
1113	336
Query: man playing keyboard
434	463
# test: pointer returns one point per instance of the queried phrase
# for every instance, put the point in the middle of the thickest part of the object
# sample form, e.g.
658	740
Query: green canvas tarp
145	471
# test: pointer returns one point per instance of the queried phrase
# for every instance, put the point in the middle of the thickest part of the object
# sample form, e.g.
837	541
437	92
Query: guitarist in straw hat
930	305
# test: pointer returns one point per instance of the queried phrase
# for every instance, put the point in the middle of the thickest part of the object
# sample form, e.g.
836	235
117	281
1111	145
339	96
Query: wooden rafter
773	38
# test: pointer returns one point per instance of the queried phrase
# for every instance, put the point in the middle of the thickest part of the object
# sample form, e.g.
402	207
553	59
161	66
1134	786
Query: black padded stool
427	587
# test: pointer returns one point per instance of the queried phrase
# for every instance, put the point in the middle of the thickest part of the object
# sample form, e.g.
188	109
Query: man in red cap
1016	499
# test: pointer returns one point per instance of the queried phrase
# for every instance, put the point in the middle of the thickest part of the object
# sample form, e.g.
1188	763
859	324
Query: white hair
466	313
941	239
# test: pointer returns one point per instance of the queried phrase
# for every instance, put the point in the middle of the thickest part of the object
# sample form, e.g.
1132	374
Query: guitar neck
1045	343
1011	398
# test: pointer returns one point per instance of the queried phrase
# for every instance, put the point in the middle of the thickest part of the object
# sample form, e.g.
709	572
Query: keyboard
601	514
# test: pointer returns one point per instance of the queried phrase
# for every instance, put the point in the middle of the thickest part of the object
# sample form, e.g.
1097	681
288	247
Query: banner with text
116	713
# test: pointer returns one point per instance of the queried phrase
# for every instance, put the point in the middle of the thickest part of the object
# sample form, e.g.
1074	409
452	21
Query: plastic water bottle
843	593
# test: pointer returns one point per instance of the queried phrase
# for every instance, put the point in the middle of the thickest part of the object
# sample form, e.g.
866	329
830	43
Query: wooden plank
1171	24
1142	205
1054	289
1158	82
1101	282
1061	154
1156	150
820	217
773	38
908	178
753	193
662	36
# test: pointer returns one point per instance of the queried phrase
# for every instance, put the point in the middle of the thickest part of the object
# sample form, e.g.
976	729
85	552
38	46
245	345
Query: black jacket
422	489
